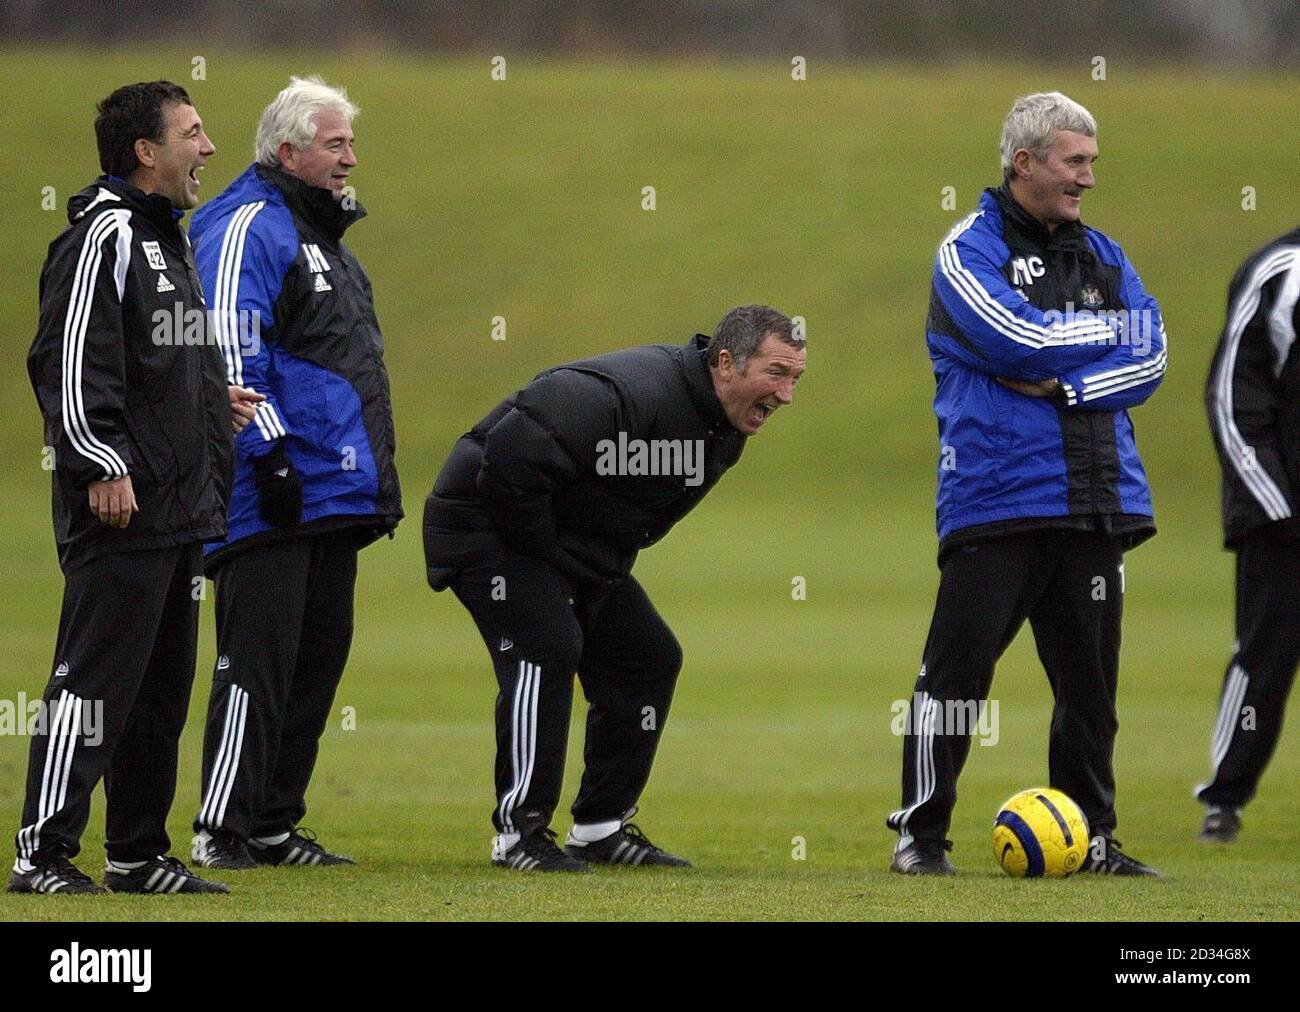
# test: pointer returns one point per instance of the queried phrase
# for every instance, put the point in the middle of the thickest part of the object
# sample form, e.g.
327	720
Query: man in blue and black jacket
315	478
1042	336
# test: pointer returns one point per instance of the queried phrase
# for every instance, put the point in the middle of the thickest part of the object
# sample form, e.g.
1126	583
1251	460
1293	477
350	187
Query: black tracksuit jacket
127	377
1252	394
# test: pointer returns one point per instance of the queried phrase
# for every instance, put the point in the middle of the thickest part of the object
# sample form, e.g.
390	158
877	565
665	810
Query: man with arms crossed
1042	337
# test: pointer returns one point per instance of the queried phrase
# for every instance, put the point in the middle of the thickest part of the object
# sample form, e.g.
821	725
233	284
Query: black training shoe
220	848
54	874
1106	858
626	845
537	851
161	875
300	848
922	855
1221	825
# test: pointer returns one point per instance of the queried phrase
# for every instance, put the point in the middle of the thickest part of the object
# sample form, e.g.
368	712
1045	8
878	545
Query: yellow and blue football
1039	833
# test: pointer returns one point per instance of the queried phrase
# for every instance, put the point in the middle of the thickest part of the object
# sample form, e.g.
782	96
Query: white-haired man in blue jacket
1042	337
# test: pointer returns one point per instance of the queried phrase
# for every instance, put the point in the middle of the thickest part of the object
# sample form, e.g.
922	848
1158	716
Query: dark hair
132	112
743	329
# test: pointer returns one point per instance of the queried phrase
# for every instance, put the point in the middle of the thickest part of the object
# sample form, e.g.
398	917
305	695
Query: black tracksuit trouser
540	630
1070	586
115	704
284	629
1253	698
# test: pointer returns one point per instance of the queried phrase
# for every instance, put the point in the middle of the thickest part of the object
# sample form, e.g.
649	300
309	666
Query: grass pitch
522	199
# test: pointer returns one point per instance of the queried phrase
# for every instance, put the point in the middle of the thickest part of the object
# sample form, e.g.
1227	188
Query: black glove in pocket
279	489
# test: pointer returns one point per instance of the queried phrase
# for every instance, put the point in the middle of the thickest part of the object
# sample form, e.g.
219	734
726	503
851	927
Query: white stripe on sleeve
75	422
1256	479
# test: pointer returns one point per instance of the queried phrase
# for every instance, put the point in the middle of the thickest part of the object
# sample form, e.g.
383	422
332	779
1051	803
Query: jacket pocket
148	455
988	410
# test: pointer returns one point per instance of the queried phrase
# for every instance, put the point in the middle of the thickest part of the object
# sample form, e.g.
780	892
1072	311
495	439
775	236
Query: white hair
1033	122
291	116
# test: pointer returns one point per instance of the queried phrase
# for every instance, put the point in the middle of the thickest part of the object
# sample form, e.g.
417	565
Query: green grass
522	199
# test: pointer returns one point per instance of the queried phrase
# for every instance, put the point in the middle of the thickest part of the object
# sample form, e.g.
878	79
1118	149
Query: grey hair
291	116
1033	122
743	330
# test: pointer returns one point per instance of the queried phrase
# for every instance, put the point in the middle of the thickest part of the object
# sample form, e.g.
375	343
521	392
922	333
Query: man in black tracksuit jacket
137	415
535	522
1253	399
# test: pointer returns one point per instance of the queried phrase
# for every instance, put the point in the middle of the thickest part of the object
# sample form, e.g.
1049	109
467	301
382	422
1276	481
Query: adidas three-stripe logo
48	882
523	862
906	857
302	855
628	852
163	880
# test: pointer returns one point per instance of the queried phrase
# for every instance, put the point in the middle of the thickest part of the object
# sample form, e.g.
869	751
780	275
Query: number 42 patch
153	254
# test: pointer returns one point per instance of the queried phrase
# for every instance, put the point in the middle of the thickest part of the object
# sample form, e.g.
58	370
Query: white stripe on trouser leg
234	759
226	767
71	705
73	733
1227	716
923	761
58	764
55	755
527	733
1234	691
530	701
218	764
29	836
507	799
523	744
1222	717
931	709
1233	694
